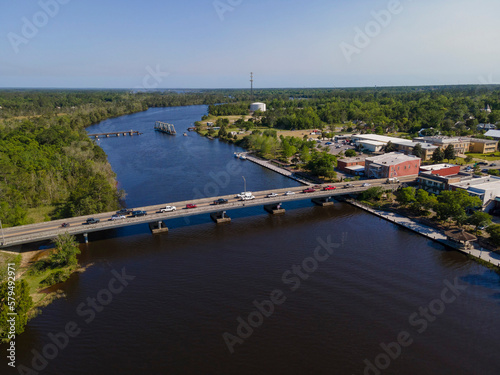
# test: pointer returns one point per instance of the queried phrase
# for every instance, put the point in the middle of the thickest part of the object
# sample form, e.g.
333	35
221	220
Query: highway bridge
78	226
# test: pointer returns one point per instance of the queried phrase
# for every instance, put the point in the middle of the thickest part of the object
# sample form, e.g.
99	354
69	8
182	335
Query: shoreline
475	252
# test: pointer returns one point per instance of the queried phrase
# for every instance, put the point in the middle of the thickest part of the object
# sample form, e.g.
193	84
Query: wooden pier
165	127
115	134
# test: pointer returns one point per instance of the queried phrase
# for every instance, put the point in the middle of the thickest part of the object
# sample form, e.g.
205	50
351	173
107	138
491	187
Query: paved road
47	230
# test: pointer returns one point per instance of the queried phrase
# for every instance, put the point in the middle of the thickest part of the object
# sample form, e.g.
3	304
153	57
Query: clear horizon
206	44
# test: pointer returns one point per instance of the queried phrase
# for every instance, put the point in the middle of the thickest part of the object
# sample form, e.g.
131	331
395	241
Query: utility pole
251	85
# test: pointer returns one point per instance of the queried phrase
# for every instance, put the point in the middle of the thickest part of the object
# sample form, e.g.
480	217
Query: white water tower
257	107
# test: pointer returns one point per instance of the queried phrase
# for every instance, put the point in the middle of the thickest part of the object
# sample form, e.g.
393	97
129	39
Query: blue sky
286	43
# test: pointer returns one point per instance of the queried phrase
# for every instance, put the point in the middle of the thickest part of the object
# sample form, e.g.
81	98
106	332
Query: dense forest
49	167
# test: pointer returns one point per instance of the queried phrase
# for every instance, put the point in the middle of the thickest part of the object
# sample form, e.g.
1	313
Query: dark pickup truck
92	221
139	213
220	201
124	211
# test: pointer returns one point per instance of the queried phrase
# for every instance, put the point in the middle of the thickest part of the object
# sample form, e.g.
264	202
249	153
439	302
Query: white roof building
486	188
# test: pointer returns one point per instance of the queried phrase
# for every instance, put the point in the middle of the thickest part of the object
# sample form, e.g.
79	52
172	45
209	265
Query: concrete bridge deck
49	230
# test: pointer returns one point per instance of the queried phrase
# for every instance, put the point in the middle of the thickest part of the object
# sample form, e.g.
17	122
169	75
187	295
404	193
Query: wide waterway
346	285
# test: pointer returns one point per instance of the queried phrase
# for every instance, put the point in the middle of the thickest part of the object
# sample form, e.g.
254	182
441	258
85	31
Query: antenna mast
251	84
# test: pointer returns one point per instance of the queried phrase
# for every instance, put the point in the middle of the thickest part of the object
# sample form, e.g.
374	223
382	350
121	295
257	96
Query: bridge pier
158	227
274	209
86	237
220	217
323	202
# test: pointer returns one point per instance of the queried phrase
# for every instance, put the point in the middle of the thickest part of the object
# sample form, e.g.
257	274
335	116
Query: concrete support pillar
323	202
86	237
274	209
220	217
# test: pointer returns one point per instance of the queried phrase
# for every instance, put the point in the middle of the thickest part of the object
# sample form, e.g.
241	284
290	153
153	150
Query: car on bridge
139	213
271	195
91	220
309	190
243	194
347	186
168	209
221	201
64	225
247	197
124	211
290	193
366	184
118	217
329	187
190	205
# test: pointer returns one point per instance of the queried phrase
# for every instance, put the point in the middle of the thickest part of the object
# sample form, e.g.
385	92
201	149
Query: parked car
482	163
168	209
92	221
247	197
139	213
271	195
328	143
221	201
366	184
329	187
118	217
290	193
190	205
124	211
308	190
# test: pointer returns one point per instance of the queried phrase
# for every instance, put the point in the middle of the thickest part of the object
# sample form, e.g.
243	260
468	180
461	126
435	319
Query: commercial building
435	184
354	166
486	188
441	169
375	143
461	145
483	146
393	164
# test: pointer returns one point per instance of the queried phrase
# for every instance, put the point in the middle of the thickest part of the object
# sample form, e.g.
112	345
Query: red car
308	190
190	205
329	187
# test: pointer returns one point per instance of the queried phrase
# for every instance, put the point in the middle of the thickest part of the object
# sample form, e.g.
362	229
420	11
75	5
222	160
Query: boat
185	134
236	155
243	157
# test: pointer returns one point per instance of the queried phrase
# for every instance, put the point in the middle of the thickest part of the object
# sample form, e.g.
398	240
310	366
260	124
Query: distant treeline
451	110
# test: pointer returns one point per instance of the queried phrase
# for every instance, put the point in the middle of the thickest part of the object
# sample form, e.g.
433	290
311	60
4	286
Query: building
461	145
435	184
354	166
376	143
493	134
257	107
486	188
483	146
486	127
441	169
393	164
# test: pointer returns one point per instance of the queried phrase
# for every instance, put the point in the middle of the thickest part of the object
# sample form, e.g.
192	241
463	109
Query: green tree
373	193
66	251
350	153
478	219
438	155
417	150
494	232
223	131
405	195
379	130
468	159
454	205
305	154
23	304
449	152
323	164
390	147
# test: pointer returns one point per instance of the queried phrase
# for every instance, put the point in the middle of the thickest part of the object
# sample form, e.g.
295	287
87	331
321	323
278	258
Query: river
316	291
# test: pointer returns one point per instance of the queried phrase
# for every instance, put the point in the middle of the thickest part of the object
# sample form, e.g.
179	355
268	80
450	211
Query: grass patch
40	214
489	157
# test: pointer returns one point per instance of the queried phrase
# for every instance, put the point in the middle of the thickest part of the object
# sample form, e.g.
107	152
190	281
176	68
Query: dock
165	127
115	134
267	164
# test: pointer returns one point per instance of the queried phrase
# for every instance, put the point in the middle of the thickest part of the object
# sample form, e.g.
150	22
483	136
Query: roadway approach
49	230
